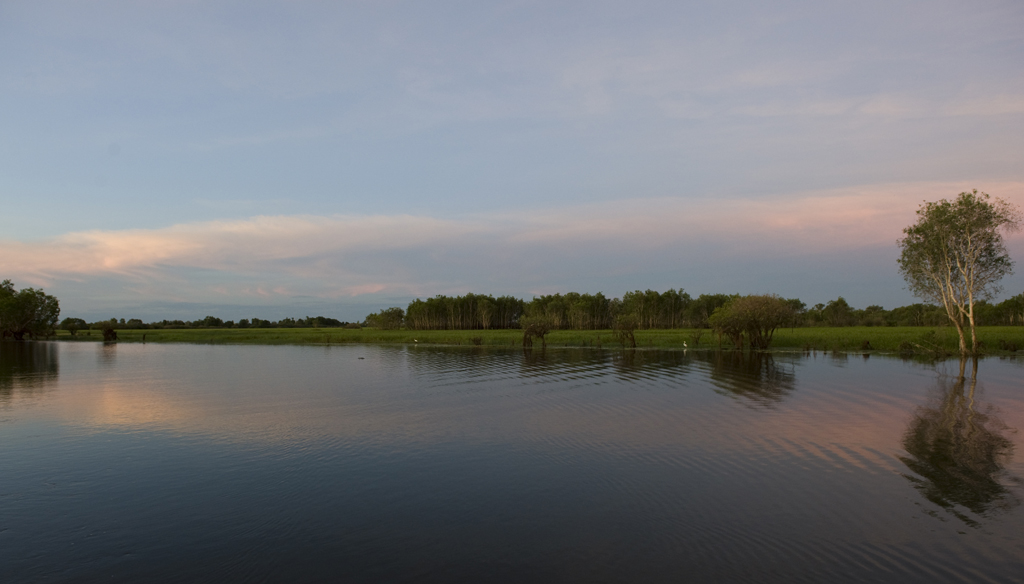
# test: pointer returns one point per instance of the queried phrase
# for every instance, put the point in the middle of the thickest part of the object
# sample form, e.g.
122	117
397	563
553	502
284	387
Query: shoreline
996	340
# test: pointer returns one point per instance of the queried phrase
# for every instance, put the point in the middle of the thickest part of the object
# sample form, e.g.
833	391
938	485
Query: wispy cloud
344	256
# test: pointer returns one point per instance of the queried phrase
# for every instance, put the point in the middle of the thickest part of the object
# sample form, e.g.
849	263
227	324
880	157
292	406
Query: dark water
366	464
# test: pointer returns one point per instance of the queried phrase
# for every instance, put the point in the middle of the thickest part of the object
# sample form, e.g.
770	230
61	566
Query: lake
194	463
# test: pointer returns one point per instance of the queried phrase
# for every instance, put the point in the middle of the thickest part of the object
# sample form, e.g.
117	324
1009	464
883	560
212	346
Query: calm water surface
189	463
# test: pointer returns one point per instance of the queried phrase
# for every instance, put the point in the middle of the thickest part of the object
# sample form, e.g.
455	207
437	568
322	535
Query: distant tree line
657	310
73	325
671	309
570	311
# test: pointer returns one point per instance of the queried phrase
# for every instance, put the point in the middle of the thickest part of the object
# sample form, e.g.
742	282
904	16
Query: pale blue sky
280	157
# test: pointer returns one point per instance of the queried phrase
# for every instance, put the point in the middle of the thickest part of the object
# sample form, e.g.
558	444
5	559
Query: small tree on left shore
26	312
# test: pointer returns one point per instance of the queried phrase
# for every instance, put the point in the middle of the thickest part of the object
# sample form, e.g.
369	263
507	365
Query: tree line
73	325
571	311
33	313
658	310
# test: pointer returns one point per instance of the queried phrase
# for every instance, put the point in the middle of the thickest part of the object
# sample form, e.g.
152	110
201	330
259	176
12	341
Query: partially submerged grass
919	340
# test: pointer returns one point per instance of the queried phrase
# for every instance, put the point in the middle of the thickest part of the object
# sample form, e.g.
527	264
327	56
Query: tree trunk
974	334
963	340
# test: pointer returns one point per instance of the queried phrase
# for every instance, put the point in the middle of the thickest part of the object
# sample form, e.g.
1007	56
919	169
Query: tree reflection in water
957	450
636	364
755	376
27	366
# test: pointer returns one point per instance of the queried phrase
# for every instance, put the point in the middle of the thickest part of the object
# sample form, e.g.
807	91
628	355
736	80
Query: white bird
684	344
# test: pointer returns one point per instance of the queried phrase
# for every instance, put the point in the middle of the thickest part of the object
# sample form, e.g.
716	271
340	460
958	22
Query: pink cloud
344	256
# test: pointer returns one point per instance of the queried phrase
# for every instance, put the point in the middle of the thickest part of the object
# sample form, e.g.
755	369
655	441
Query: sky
173	159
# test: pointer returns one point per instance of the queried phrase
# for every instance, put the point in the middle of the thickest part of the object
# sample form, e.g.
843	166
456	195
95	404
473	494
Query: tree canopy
388	319
757	315
954	255
26	312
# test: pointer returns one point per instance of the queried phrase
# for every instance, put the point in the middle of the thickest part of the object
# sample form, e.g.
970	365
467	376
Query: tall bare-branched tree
954	255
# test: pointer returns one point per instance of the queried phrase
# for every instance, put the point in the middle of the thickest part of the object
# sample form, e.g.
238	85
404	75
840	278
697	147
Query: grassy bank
886	339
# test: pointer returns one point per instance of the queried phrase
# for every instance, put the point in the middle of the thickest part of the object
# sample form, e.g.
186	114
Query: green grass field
843	339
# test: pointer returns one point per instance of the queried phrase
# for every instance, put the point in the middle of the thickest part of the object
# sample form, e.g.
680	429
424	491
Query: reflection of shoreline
957	450
27	367
754	376
758	377
421	395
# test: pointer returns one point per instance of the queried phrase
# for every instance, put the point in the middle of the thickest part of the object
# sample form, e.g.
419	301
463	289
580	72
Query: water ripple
440	464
